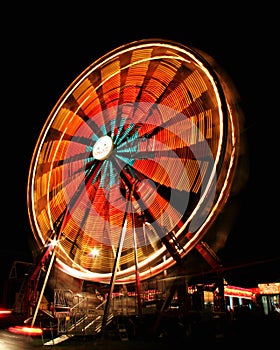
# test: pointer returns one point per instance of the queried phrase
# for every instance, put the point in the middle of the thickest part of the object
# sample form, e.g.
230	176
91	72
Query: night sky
44	50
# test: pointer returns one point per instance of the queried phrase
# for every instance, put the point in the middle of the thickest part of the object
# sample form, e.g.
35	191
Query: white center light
103	148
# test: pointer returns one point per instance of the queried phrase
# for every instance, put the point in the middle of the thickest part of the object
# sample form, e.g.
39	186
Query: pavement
251	331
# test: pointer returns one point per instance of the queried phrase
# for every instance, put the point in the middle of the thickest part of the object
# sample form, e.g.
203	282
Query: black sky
44	50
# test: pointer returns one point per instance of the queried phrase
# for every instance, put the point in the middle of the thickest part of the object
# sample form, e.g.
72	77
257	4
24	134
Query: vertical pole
113	277
138	288
43	288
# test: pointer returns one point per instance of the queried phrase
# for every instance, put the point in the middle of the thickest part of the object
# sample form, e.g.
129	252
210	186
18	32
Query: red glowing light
25	330
4	312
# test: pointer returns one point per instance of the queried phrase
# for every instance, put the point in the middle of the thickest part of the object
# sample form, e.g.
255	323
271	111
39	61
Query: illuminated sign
269	288
239	292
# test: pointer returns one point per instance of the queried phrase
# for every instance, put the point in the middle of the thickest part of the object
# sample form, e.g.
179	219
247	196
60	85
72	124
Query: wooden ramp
59	339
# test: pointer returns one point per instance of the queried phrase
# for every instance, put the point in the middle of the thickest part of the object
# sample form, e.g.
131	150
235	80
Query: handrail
80	302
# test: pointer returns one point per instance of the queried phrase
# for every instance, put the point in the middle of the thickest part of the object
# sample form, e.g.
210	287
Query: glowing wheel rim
146	134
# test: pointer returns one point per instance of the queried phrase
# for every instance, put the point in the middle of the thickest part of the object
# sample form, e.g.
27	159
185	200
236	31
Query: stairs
88	325
78	315
122	332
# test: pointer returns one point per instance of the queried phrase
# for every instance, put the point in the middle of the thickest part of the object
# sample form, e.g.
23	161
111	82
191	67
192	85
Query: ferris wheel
134	162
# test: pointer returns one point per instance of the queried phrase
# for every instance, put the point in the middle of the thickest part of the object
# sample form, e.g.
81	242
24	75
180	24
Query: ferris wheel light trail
135	161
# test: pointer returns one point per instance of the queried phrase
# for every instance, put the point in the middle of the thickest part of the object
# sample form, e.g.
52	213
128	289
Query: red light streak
25	330
5	312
